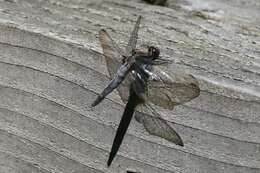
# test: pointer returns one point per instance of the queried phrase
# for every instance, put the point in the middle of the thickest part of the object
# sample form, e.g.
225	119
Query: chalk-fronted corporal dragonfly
139	81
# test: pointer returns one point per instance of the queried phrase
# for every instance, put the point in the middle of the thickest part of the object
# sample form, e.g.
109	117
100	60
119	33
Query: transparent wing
113	56
133	38
157	126
109	45
168	91
110	48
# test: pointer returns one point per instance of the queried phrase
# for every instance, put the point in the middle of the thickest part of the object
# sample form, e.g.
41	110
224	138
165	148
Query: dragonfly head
153	52
148	53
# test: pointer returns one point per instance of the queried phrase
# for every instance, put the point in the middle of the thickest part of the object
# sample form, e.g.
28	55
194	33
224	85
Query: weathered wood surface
51	69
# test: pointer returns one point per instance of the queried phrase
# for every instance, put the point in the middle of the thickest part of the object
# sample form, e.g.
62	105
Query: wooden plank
51	69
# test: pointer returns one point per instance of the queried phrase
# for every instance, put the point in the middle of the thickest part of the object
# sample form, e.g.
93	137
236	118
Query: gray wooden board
51	69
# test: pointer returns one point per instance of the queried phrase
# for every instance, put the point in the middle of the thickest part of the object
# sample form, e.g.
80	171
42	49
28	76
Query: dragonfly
136	74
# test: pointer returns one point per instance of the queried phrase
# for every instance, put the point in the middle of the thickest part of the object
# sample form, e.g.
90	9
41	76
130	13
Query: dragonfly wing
157	126
113	56
133	38
109	45
168	91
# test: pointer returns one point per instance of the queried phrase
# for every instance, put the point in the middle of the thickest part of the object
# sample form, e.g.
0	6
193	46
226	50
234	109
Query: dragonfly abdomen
114	83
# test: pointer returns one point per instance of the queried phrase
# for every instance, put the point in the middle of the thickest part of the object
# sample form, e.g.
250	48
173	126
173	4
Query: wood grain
51	69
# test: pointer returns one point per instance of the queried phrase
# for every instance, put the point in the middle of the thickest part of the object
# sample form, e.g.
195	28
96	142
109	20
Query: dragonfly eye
154	52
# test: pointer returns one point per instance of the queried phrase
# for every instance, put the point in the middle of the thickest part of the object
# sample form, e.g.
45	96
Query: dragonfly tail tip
97	101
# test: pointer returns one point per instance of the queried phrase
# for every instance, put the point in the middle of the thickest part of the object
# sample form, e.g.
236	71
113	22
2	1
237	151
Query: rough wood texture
51	69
